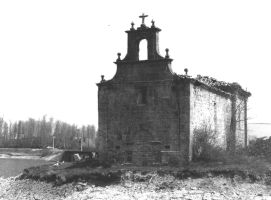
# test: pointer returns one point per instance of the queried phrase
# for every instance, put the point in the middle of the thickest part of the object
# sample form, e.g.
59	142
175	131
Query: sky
53	52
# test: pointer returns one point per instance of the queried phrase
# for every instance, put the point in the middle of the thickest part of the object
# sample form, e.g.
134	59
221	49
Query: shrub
204	146
260	147
45	152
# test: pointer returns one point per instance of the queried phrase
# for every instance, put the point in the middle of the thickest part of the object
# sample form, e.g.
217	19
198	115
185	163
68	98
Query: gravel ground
166	187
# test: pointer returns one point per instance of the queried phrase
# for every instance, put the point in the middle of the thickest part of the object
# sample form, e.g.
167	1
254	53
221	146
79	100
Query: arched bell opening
143	50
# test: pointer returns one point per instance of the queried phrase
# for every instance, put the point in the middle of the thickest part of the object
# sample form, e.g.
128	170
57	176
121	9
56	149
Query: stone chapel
148	113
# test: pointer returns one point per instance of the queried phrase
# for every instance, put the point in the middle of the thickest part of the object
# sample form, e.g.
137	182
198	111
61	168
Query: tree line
44	133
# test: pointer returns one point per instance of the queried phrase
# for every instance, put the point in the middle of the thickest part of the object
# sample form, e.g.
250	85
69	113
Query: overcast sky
53	52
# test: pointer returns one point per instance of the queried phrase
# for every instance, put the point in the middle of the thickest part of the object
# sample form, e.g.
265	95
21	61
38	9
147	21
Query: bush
204	146
260	147
46	152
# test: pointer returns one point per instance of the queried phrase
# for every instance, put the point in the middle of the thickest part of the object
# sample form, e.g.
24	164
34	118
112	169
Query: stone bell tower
137	109
143	32
155	66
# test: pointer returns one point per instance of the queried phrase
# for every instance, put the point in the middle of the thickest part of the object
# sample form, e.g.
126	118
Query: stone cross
143	17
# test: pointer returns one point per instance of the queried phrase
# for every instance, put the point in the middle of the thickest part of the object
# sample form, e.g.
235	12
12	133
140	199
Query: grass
247	168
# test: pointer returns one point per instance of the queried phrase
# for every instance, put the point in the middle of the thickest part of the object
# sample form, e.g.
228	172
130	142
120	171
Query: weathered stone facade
147	112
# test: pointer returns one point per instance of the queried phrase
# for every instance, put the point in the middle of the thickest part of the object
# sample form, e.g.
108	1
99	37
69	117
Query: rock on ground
166	187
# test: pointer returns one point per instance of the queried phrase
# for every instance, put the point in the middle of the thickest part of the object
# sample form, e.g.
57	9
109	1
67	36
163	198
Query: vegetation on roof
216	84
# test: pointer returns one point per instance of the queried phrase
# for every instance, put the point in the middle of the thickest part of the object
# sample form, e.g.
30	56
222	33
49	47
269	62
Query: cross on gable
143	17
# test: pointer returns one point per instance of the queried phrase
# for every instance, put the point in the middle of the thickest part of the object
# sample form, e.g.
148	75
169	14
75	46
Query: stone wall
211	111
138	120
182	93
141	112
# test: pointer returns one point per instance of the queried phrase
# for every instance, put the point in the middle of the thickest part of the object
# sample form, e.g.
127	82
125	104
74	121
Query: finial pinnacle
132	26
186	71
167	56
119	54
102	78
152	21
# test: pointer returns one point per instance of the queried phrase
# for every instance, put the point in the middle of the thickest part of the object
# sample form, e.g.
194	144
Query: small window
167	146
129	156
117	147
142	96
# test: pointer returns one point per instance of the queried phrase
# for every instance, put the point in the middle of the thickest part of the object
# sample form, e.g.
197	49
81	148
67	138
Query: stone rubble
12	189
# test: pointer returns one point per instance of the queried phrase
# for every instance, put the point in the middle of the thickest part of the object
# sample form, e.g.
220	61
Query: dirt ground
249	179
157	187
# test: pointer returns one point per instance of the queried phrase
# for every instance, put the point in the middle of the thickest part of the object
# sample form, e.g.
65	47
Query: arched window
143	50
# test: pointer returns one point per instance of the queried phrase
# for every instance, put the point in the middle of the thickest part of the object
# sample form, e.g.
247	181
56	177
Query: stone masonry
147	113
